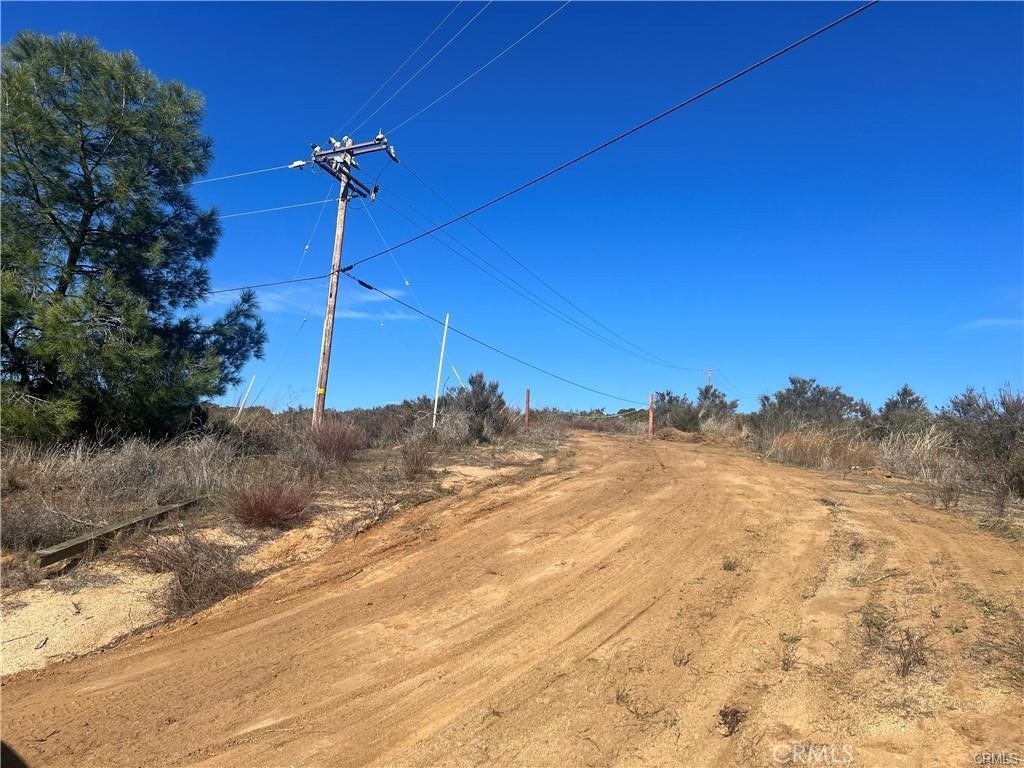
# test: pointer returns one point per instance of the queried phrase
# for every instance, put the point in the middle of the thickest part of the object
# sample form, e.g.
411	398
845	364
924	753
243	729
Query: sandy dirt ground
672	603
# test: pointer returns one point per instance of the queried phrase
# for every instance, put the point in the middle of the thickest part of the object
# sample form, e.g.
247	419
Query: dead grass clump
730	719
272	503
204	572
877	623
730	563
29	523
823	449
910	650
417	458
725	425
337	440
380	500
17	574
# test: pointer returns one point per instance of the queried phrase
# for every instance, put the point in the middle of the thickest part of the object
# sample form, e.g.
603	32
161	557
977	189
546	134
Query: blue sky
851	212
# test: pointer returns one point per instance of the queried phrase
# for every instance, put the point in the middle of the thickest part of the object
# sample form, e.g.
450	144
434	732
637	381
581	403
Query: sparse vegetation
730	563
910	650
202	572
416	457
271	502
730	718
337	440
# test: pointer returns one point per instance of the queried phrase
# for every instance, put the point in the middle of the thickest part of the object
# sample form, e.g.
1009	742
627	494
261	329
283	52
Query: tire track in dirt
585	618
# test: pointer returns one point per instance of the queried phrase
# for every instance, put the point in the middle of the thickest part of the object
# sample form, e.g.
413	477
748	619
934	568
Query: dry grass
271	503
337	440
823	449
910	650
417	458
51	494
203	572
726	426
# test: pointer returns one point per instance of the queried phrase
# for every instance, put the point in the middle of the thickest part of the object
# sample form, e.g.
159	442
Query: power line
518	288
401	66
272	283
412	291
481	69
491	347
541	280
429	61
621	136
237	175
271	210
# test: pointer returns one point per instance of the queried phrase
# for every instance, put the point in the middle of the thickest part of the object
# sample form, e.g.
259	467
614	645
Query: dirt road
603	615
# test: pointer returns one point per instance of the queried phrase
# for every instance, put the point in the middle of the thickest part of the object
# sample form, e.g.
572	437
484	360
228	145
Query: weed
910	650
788	661
730	719
17	574
858	546
337	440
681	658
877	622
204	572
271	503
730	563
790	639
957	627
416	458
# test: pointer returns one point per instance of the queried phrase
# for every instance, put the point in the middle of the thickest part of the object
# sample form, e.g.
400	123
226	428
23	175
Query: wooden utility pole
526	412
338	161
332	296
650	416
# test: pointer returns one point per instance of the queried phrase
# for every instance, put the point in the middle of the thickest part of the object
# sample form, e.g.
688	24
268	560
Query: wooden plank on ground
79	544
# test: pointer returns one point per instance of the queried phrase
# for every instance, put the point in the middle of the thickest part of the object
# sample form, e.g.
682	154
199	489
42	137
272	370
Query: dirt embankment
663	603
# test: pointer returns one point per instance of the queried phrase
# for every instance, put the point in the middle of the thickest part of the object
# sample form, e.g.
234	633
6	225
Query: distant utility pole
650	417
339	161
708	372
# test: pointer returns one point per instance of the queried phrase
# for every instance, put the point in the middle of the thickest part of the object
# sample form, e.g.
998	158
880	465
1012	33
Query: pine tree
104	249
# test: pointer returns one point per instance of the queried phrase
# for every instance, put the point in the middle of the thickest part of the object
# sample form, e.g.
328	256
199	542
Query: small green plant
877	623
957	627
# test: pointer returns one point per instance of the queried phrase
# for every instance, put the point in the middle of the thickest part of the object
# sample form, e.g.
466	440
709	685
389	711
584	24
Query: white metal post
440	367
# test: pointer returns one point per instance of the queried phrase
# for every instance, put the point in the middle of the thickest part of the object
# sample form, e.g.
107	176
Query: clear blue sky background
852	212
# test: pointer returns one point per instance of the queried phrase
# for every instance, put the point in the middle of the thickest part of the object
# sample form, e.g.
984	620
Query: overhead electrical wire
400	67
428	62
412	291
272	210
518	288
541	280
625	134
503	353
237	175
536	180
476	72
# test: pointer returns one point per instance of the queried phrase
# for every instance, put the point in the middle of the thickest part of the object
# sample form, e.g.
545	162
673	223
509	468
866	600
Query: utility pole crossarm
338	161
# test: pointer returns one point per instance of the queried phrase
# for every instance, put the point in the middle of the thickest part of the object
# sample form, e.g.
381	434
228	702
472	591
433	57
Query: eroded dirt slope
602	616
